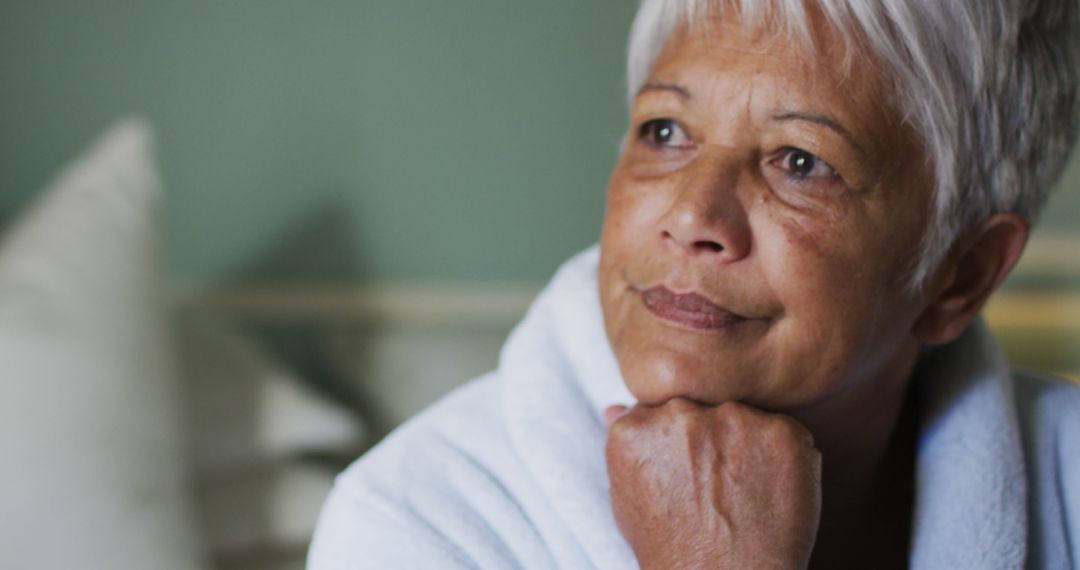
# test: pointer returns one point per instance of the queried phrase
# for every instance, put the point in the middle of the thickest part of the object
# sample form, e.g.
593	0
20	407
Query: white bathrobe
509	472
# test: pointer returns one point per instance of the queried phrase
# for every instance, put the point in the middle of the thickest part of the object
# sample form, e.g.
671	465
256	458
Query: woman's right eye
664	133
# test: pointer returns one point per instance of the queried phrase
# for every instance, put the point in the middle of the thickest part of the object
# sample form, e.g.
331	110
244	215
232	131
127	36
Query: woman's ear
980	262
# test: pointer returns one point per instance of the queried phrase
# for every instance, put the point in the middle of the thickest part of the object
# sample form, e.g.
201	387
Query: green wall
331	139
385	140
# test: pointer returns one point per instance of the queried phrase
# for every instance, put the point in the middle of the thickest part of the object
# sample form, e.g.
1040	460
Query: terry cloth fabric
509	472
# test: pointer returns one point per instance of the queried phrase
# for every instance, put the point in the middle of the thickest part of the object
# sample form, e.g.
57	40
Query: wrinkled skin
705	465
762	222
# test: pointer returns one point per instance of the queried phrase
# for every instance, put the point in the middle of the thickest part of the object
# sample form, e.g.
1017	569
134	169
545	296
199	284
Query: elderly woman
774	359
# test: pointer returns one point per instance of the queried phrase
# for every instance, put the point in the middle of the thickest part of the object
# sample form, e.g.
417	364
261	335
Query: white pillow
253	424
246	409
92	473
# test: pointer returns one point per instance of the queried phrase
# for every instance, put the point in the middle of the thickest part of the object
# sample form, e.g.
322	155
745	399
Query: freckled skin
789	255
817	266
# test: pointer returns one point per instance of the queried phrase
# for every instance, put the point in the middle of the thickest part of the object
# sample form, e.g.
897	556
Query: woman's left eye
802	165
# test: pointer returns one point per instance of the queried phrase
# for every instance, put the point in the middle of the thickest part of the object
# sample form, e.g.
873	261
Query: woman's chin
656	376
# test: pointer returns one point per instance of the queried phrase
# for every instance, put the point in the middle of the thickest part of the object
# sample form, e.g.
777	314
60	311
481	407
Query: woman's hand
725	486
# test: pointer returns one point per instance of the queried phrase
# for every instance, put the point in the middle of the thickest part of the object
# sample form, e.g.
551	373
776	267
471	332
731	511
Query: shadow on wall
351	343
315	249
268	425
316	252
382	352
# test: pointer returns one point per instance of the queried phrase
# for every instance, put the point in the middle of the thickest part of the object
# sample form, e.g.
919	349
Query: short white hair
989	87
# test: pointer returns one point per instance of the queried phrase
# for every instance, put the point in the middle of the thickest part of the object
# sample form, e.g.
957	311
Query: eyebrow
679	90
822	120
825	122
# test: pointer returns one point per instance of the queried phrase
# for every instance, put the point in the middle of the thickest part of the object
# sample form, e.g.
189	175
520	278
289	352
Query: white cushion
252	424
246	409
91	455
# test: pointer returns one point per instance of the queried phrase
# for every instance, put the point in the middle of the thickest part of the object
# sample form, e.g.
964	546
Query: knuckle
623	428
794	431
681	406
782	429
674	412
630	426
735	416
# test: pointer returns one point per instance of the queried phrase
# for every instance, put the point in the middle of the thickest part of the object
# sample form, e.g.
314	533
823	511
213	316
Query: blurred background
360	200
400	141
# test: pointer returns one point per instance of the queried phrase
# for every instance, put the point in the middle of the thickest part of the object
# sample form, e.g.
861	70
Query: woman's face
760	227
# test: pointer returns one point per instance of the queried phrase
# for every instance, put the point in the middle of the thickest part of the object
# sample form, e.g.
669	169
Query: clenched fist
726	486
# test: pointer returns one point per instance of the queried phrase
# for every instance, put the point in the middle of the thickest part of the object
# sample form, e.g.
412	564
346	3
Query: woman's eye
802	165
664	133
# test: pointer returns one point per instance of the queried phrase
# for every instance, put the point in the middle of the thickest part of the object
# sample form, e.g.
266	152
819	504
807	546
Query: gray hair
989	86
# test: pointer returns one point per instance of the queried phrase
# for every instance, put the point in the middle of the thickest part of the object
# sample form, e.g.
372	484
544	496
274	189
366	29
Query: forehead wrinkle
777	74
823	48
724	92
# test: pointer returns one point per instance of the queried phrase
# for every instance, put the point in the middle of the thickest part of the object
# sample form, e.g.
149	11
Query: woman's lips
689	309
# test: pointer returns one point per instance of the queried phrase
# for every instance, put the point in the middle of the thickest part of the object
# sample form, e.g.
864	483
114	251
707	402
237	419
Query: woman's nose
706	218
